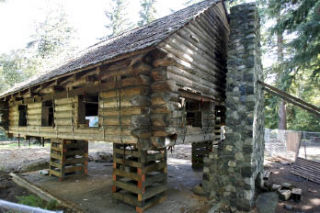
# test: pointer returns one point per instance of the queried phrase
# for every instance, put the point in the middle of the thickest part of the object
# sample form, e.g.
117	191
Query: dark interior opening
88	110
47	114
193	113
22	115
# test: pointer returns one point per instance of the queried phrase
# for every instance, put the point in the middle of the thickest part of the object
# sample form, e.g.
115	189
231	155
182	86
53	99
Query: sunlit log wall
141	98
194	60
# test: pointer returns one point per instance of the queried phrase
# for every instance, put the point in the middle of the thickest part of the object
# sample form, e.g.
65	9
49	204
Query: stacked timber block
68	158
139	176
199	151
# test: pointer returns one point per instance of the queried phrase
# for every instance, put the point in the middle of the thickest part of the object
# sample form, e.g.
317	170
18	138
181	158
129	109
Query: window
47	114
193	113
22	115
88	111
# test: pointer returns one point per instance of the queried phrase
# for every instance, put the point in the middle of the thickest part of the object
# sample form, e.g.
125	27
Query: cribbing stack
68	158
139	176
219	122
199	151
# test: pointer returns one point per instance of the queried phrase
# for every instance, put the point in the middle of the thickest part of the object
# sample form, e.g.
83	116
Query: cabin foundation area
139	176
68	158
93	192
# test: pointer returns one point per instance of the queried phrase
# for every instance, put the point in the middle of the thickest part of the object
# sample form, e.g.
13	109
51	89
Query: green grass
32	200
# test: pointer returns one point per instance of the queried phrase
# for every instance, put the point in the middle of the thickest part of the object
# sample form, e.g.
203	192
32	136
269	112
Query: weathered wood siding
194	60
140	96
124	106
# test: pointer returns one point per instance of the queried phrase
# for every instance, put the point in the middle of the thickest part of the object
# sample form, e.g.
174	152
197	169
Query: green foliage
147	14
51	41
32	200
14	68
117	18
52	35
297	70
300	20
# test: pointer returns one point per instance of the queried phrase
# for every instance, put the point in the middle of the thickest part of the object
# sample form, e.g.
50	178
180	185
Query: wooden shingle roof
128	42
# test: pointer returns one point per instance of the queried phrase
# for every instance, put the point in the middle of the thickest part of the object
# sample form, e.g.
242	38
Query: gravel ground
13	158
17	159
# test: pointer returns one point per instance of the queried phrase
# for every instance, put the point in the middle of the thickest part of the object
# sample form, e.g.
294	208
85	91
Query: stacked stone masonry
233	170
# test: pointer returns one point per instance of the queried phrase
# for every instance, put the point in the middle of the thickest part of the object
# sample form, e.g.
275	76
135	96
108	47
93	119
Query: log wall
140	98
194	60
124	98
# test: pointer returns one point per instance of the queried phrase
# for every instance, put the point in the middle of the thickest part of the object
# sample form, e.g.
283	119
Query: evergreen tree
298	21
302	19
14	68
148	12
52	36
270	10
50	43
117	19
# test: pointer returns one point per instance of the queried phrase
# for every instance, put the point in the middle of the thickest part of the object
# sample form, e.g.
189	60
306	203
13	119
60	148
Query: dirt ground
310	191
180	199
93	192
9	190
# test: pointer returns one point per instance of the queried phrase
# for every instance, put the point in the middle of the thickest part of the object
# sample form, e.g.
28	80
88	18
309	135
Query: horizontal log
35	106
135	101
64	108
123	111
168	85
34	111
64	114
125	93
64	121
63	101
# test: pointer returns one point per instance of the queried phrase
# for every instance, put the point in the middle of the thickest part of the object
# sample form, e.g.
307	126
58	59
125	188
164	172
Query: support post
139	176
199	151
68	158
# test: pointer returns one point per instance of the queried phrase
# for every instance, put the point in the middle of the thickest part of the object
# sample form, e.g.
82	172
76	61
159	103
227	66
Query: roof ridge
139	38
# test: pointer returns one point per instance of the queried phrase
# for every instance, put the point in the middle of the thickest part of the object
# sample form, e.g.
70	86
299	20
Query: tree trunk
282	113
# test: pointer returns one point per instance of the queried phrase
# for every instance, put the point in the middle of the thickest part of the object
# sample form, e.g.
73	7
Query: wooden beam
108	61
291	99
198	97
43	194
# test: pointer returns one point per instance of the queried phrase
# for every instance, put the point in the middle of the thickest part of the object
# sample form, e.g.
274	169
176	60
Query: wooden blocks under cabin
219	122
68	158
139	177
199	151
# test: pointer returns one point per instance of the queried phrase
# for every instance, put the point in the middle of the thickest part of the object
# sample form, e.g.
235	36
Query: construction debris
275	187
286	186
296	194
285	190
284	194
307	169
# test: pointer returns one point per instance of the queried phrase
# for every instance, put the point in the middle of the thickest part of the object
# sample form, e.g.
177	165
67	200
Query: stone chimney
233	171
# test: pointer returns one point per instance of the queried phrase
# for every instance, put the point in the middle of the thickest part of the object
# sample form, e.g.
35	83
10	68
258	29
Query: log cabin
145	90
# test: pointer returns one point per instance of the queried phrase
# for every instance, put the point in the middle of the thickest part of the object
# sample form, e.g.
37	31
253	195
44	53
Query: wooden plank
151	192
123	173
43	194
127	162
127	186
127	152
